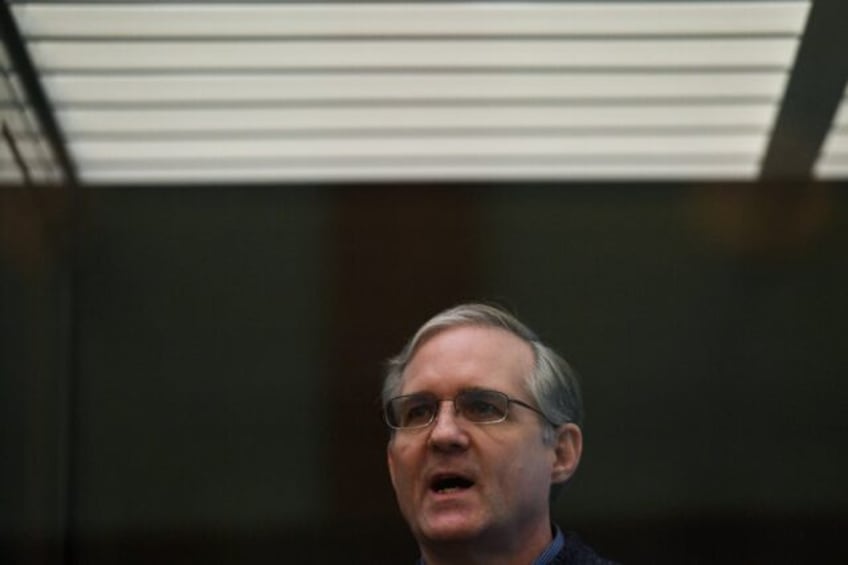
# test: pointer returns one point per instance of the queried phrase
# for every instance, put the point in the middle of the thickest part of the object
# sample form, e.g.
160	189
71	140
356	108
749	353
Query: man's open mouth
443	484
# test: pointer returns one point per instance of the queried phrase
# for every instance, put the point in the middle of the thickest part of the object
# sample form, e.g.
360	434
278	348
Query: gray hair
553	384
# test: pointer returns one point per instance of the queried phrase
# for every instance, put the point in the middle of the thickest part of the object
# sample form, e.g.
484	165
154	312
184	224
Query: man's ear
567	450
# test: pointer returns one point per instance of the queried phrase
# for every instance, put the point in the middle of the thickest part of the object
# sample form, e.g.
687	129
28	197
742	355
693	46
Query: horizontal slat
832	162
11	175
100	121
832	169
237	19
471	172
52	56
454	146
836	142
20	119
271	89
841	119
32	150
836	159
35	159
14	120
10	89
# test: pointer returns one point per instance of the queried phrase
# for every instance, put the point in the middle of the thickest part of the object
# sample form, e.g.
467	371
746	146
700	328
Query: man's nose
448	432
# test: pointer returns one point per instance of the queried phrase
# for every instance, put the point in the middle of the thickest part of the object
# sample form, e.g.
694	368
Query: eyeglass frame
439	401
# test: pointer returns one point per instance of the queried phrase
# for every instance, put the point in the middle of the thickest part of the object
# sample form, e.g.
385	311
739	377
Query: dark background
191	374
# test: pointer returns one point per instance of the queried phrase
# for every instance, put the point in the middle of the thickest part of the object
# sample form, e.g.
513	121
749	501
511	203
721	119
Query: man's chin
448	527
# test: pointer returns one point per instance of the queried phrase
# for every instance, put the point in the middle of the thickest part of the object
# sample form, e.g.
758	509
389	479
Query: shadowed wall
230	344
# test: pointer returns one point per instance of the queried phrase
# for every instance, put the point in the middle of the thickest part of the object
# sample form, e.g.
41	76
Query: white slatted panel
437	91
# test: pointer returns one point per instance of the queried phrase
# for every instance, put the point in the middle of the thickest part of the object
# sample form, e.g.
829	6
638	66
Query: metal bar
16	154
813	93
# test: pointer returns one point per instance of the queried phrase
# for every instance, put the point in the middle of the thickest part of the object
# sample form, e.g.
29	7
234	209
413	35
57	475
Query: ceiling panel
200	92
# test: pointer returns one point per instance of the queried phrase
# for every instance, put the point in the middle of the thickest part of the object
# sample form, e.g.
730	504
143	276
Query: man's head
486	423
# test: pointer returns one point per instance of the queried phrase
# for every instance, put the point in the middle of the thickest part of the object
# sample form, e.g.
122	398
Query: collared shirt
547	556
553	548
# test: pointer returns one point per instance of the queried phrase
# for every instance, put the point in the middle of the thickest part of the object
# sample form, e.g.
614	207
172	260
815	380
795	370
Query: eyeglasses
480	406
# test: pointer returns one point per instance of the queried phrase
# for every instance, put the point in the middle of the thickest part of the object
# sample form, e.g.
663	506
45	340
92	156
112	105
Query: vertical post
67	241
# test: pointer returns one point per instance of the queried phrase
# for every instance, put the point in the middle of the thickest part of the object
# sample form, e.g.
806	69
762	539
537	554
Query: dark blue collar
547	556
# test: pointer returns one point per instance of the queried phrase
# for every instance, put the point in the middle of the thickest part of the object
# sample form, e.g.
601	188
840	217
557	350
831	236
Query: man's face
459	481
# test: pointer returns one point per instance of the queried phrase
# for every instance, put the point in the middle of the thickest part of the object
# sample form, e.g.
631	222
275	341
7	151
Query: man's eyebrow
419	393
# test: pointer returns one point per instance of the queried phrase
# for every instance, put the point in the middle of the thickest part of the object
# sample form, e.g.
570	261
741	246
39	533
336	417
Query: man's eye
479	409
416	414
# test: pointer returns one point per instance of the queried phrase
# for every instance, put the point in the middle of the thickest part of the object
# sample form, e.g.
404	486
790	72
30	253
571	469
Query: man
485	428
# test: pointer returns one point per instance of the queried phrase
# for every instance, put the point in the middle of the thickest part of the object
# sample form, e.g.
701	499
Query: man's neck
522	551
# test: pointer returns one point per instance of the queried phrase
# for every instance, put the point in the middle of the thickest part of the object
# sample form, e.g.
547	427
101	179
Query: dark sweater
575	552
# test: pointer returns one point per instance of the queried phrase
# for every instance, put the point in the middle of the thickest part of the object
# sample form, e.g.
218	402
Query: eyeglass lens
419	410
